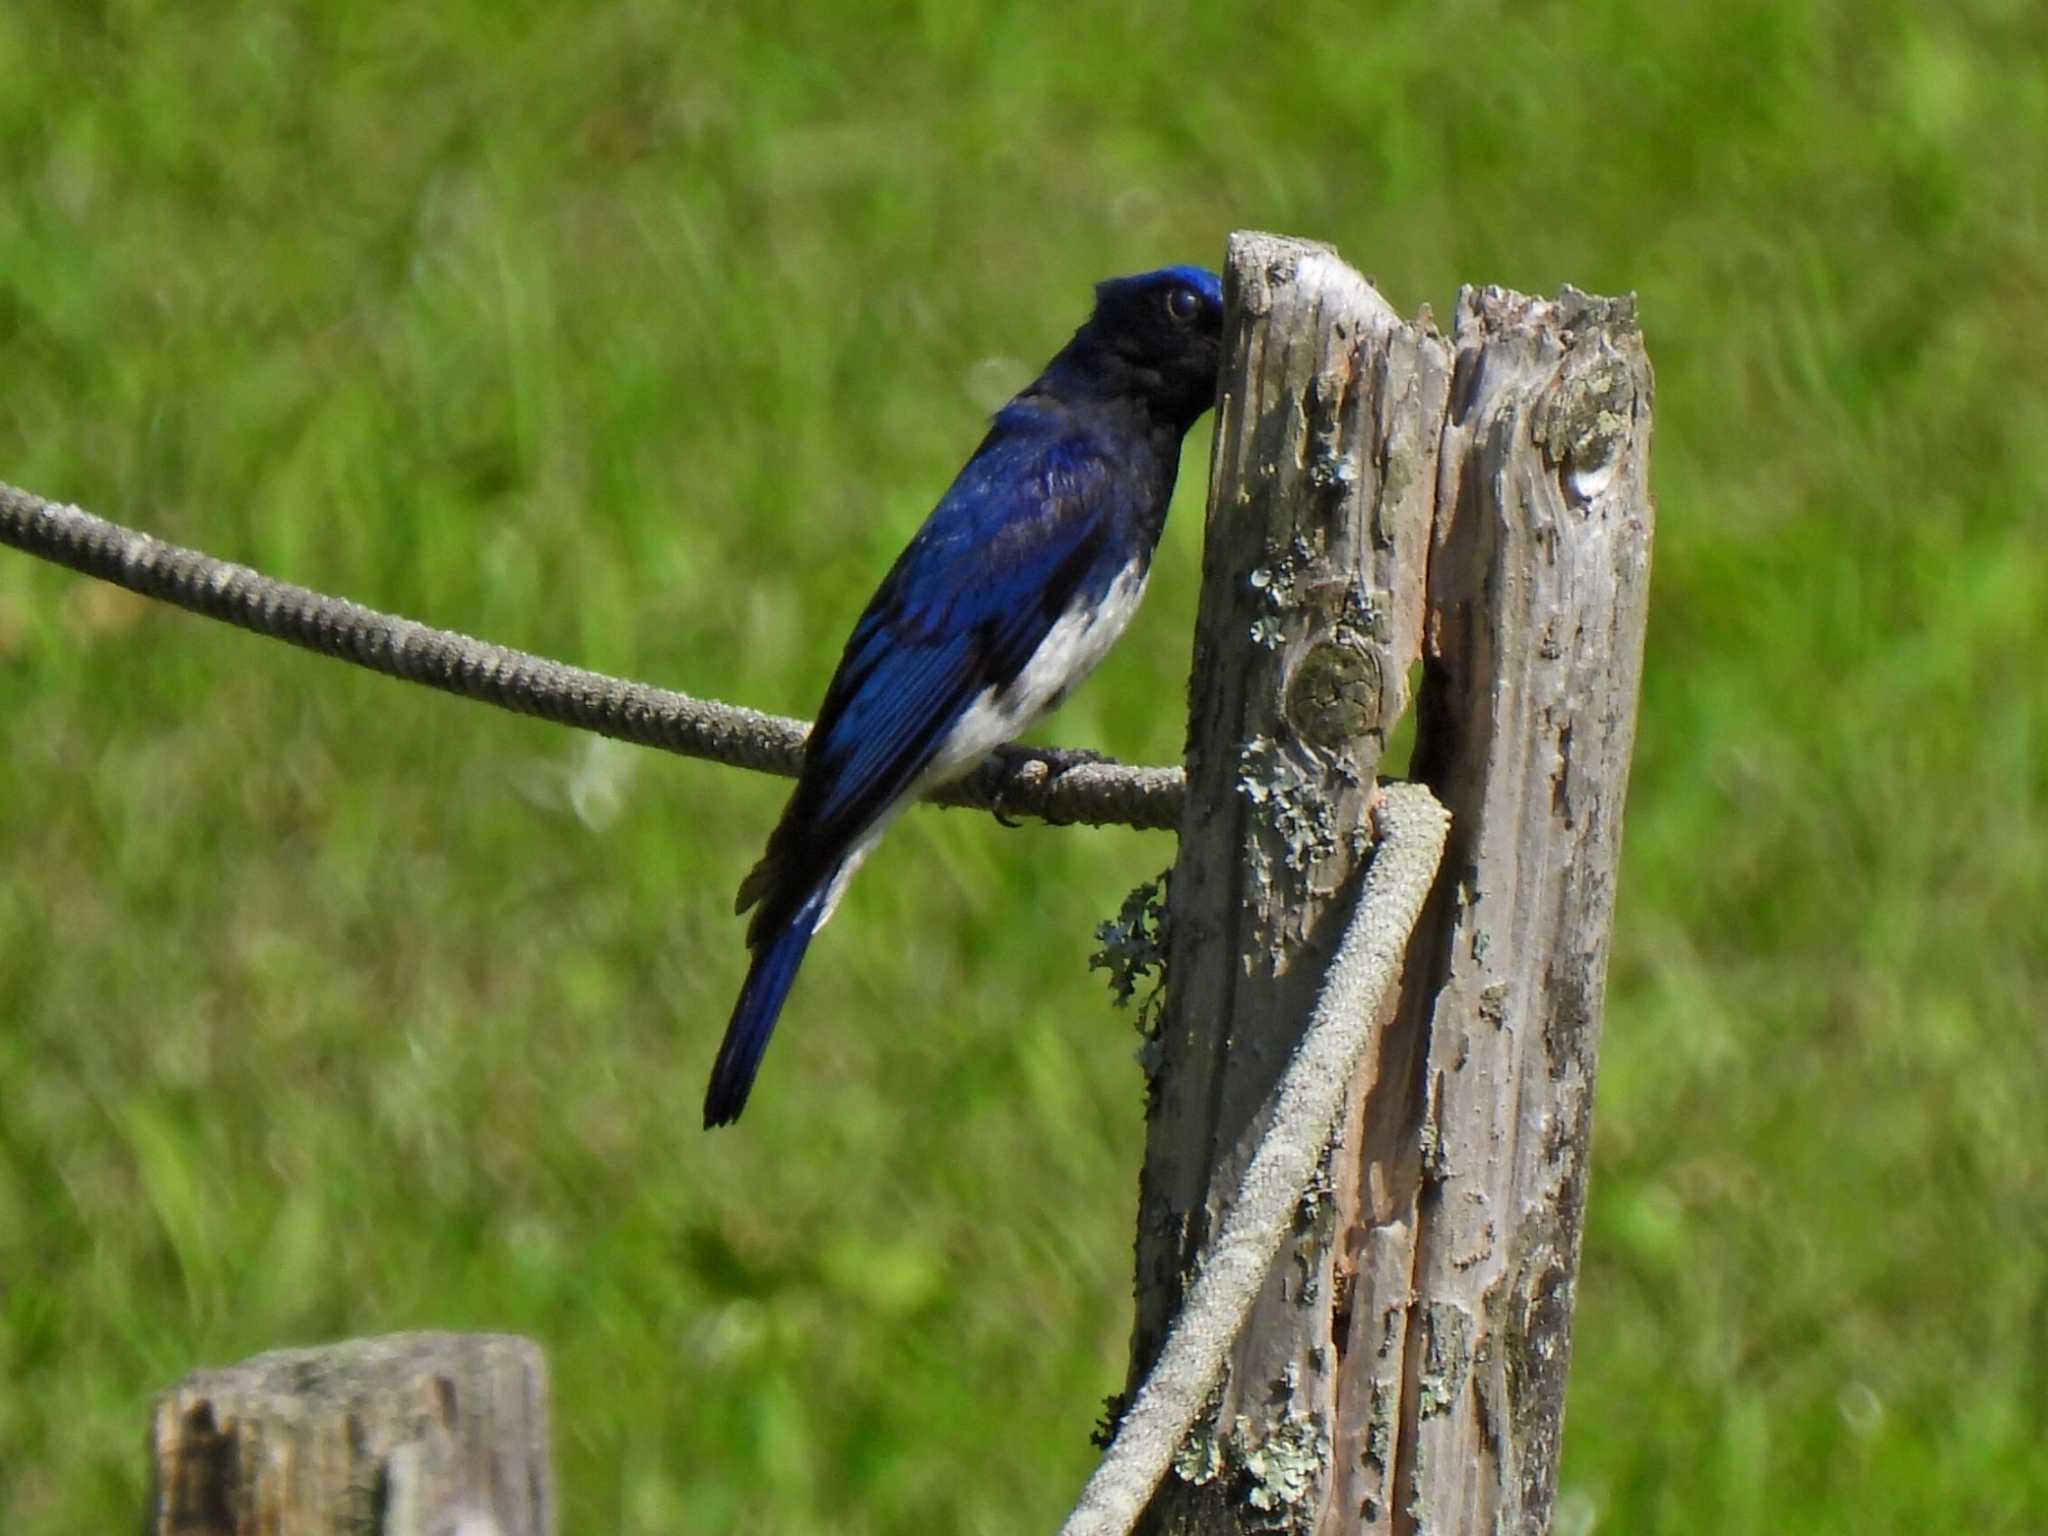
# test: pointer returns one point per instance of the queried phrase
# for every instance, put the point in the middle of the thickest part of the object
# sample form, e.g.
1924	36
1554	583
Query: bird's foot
1040	765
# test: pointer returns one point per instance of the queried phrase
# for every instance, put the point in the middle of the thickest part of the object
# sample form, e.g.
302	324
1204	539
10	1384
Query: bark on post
1311	615
1404	1368
411	1434
1538	593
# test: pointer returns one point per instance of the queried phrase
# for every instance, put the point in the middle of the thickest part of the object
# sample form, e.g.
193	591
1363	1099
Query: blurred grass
642	335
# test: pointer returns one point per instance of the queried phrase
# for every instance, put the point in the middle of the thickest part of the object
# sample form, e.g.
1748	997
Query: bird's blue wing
1024	533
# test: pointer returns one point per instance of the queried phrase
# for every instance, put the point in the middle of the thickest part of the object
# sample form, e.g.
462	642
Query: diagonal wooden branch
1345	1023
1017	781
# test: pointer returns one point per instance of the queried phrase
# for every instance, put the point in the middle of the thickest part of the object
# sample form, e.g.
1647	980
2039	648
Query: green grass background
641	335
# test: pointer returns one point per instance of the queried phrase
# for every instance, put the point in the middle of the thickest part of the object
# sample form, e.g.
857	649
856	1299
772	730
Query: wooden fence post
1379	496
411	1434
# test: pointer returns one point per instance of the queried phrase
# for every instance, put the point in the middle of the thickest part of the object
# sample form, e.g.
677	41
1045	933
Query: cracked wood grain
1310	619
1379	495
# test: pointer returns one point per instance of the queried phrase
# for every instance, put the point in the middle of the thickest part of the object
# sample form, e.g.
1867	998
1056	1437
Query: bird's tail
776	958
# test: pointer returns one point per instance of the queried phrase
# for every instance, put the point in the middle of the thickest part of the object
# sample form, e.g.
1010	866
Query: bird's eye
1183	304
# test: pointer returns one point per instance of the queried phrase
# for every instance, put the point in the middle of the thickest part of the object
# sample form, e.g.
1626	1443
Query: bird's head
1159	335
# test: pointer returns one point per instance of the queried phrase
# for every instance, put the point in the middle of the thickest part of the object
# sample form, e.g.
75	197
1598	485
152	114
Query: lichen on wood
1309	623
1379	496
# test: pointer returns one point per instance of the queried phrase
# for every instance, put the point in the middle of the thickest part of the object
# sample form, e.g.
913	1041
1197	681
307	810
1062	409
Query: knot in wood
1586	419
1333	691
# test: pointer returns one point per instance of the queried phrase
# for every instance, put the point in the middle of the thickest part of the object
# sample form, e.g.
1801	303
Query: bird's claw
1041	765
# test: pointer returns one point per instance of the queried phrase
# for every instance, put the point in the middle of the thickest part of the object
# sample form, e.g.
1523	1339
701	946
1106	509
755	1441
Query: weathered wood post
1378	497
411	1434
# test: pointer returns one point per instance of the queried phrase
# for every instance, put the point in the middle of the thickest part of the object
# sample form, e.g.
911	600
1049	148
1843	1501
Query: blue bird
1017	584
